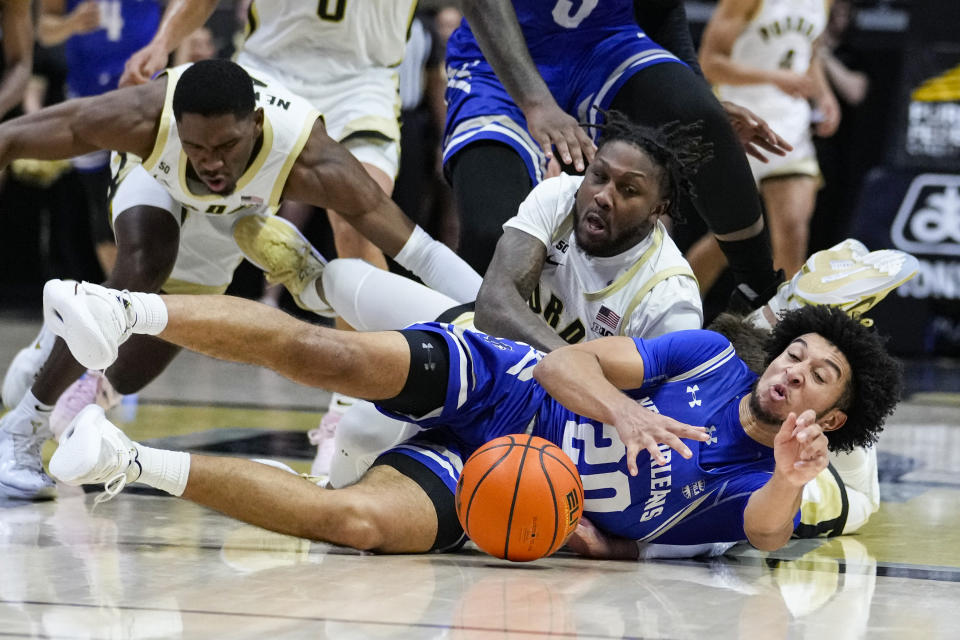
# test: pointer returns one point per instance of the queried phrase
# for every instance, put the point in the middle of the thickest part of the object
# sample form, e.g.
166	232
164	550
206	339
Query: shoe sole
72	321
79	448
824	292
16	493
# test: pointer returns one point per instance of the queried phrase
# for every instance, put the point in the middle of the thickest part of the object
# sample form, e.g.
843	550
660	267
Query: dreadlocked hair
876	378
676	148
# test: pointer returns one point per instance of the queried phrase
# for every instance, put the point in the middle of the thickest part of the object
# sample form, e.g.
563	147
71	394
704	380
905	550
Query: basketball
519	497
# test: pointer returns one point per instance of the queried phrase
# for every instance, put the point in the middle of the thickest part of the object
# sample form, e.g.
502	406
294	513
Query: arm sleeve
665	21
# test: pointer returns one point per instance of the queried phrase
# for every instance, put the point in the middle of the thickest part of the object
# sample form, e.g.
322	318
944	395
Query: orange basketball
519	497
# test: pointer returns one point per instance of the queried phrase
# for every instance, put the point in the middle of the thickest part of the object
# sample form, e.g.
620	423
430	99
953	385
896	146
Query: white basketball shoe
25	366
846	276
21	468
93	320
92	451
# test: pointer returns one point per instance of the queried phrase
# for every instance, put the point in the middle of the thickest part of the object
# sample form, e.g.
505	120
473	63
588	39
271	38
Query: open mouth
778	393
593	223
215	183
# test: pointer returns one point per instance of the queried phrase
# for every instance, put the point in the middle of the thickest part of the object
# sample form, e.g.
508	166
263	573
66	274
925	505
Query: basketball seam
513	502
476	488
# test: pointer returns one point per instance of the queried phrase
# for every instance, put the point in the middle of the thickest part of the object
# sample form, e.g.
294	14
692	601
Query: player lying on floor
618	406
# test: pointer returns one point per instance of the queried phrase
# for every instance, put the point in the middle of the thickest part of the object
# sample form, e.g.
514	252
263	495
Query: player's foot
92	451
285	256
323	436
846	278
25	367
93	320
21	469
91	388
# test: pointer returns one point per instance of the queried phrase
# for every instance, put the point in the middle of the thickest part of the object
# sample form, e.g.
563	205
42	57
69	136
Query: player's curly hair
214	87
876	381
677	148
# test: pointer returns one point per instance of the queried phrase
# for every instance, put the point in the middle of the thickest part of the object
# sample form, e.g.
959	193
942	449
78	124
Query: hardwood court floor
148	566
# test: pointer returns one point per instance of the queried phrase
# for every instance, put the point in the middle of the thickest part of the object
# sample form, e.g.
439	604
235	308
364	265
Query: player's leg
146	248
490	180
725	193
386	511
790	202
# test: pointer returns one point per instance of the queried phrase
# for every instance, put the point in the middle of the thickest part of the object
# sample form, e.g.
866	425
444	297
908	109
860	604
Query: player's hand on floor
589	541
754	133
552	127
800	448
643	429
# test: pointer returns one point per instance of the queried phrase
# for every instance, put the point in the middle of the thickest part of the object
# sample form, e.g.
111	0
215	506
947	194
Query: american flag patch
251	200
608	318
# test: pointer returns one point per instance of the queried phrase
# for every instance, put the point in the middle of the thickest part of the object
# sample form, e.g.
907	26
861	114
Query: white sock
36	411
372	299
311	297
759	320
439	267
151	313
164	470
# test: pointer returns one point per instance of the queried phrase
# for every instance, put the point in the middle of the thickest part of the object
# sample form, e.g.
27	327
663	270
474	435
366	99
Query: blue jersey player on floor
618	406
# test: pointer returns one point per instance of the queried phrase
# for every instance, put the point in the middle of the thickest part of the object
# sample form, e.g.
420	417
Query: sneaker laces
119	481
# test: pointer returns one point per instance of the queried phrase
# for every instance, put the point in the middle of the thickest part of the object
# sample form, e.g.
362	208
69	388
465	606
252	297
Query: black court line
220	404
277	616
931	573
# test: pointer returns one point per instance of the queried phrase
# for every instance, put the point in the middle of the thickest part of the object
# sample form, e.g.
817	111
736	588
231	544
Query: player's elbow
768	540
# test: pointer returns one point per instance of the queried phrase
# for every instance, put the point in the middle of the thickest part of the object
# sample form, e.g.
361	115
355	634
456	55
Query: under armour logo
693	392
712	430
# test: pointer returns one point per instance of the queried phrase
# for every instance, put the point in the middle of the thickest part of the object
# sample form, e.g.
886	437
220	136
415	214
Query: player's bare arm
56	25
800	451
726	24
17	28
513	273
180	19
494	23
121	120
587	378
327	175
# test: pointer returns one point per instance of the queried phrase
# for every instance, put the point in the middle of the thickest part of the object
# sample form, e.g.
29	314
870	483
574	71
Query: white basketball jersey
316	33
585	297
287	123
780	36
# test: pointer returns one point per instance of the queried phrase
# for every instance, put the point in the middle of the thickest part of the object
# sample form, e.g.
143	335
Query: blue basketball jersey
692	376
95	60
585	51
543	21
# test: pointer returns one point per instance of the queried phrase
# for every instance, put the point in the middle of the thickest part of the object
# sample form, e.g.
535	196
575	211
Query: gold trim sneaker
285	256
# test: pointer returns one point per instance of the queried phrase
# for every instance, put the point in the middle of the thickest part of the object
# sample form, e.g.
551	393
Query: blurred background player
16	31
763	54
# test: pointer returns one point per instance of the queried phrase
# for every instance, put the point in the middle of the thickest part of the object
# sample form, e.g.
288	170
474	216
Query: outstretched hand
552	127
644	429
800	448
143	64
754	133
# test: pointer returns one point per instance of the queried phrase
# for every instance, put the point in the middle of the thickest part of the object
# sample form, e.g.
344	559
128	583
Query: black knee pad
450	535
426	387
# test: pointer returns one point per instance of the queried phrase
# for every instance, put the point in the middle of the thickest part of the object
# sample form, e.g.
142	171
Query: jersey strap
657	278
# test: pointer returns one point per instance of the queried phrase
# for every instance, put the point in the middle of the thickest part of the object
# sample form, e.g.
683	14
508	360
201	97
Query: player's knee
355	523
